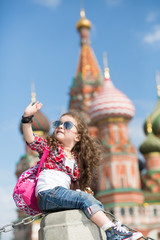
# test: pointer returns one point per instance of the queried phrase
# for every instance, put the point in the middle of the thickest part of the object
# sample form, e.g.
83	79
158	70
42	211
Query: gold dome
83	22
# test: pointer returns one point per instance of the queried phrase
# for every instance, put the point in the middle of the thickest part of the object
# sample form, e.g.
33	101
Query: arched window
122	211
131	211
155	211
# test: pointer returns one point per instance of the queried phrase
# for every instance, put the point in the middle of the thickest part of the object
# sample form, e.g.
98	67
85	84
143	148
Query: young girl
73	157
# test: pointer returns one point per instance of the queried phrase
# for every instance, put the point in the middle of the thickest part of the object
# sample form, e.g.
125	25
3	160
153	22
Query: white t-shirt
51	178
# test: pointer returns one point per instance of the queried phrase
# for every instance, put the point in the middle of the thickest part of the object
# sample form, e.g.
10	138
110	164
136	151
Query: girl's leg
100	219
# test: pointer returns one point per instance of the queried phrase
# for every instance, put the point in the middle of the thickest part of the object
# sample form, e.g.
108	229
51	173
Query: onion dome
110	102
40	123
151	143
154	117
83	22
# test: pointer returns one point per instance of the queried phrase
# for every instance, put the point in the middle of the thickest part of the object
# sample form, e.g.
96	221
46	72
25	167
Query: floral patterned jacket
56	158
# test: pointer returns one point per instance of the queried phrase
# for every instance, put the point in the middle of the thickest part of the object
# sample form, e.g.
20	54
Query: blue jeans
60	198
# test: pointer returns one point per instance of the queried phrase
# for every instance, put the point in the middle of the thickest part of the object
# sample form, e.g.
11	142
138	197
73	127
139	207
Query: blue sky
39	43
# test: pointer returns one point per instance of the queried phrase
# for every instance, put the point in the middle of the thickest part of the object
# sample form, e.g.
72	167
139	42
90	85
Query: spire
33	94
83	26
83	22
106	69
88	65
149	126
88	79
82	14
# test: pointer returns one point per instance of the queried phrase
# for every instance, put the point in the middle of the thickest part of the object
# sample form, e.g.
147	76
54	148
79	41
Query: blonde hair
89	150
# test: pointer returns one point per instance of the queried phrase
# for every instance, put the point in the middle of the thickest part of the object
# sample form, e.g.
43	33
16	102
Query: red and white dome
111	102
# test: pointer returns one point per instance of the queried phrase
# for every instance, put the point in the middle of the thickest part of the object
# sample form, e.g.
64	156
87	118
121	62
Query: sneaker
120	233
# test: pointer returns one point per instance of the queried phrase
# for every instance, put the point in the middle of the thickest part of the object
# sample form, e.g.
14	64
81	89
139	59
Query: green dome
154	118
39	123
150	144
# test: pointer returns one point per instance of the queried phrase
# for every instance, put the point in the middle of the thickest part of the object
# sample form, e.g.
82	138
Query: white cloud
48	3
152	16
154	36
113	3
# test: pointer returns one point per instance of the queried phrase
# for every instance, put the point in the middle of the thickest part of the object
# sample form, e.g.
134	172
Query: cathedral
132	195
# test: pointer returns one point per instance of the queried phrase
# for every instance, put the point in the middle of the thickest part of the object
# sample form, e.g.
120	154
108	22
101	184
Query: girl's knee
89	200
85	196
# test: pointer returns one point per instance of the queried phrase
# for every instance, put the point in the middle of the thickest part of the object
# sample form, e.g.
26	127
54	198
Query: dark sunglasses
67	124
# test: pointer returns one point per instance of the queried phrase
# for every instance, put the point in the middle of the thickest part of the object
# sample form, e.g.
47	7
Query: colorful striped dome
110	102
40	123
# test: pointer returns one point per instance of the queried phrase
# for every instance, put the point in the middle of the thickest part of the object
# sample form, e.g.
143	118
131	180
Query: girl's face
68	137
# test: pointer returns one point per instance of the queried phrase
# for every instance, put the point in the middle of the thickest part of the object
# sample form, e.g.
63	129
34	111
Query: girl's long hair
89	150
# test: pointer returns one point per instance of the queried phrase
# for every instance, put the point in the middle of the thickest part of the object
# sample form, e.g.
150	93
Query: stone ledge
69	225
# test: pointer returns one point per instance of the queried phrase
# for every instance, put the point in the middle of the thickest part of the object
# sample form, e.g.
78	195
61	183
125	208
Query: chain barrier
29	220
25	221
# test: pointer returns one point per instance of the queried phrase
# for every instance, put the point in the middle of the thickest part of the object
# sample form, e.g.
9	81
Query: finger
39	105
36	104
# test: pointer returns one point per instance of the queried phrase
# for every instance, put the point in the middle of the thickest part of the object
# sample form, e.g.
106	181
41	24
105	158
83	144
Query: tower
88	79
119	187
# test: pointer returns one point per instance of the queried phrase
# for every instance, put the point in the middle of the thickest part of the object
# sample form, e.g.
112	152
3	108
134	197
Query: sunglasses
67	124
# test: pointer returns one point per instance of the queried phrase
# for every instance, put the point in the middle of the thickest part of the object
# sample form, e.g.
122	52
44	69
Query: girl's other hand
89	191
32	109
92	193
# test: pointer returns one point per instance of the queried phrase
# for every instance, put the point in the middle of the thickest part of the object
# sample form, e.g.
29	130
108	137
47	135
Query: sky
39	44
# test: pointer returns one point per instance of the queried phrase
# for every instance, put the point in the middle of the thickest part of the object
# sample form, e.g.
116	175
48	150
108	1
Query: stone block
69	225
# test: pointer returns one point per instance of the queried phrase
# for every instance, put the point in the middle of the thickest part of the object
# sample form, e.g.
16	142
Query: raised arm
27	128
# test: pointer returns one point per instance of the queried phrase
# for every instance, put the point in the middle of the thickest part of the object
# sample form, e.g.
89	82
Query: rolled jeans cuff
90	211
